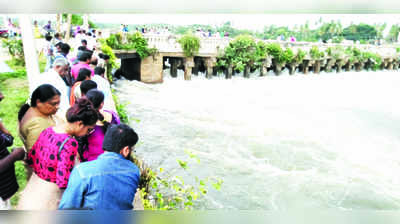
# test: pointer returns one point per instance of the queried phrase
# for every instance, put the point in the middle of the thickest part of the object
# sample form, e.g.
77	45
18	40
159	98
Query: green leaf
182	164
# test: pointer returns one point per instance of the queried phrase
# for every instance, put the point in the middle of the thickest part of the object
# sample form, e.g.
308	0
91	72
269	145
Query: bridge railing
211	45
169	43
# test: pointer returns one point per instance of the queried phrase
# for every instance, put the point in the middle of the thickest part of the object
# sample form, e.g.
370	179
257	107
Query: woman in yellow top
36	31
38	116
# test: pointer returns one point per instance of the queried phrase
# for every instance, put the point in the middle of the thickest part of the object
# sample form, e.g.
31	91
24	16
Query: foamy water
278	142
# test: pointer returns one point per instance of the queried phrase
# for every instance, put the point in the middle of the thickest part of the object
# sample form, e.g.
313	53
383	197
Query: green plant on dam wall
131	41
190	44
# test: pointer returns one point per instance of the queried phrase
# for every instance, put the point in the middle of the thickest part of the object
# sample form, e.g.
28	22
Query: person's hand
18	153
4	129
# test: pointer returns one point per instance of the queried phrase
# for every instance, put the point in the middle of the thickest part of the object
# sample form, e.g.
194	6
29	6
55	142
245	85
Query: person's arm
74	193
8	161
4	129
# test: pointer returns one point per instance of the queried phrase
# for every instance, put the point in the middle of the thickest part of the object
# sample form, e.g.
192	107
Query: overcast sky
244	21
249	21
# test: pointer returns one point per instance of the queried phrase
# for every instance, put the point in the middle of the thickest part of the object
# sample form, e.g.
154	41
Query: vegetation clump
190	44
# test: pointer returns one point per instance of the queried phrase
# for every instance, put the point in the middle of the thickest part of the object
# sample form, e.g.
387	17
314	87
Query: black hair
57	35
96	97
82	110
101	55
106	57
94	62
48	37
85	55
119	136
83	74
43	93
84	41
82	48
118	73
59	44
99	70
65	48
87	85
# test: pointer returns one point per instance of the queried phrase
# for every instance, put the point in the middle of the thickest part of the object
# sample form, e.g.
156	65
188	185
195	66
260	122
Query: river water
278	142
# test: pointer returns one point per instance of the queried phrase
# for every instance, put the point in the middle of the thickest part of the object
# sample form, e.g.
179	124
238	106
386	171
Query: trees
393	33
331	30
360	32
77	20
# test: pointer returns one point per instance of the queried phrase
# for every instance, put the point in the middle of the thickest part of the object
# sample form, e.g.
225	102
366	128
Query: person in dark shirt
8	180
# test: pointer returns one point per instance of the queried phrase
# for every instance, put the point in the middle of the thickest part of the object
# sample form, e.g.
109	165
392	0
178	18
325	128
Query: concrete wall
151	70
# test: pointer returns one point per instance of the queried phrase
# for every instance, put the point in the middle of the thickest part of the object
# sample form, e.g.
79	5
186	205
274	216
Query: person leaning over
38	116
111	181
53	156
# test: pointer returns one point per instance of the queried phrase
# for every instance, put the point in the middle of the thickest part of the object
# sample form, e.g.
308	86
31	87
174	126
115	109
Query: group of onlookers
71	119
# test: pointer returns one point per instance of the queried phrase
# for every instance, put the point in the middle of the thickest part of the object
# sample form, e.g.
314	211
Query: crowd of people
76	152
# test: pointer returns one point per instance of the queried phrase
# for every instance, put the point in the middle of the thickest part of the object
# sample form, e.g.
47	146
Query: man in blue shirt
110	182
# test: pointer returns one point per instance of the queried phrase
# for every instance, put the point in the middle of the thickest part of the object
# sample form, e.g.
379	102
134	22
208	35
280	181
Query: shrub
15	49
190	44
299	56
261	53
240	52
276	52
134	41
171	192
315	53
335	52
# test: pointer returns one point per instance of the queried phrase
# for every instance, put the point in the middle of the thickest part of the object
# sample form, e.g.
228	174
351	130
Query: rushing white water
278	142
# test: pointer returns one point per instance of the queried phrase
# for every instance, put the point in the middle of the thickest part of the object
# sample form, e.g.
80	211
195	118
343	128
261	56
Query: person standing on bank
111	181
53	156
8	180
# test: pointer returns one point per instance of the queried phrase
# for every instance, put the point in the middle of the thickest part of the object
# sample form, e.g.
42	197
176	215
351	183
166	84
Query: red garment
45	161
72	97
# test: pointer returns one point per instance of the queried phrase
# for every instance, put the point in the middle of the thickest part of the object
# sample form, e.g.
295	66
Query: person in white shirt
48	50
54	78
104	86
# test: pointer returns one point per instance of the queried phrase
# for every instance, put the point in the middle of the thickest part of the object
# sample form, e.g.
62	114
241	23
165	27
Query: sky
246	21
242	21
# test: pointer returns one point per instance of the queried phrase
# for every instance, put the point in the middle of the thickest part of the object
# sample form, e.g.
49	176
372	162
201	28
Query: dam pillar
317	66
196	67
189	64
330	63
151	69
347	67
292	68
228	73
210	63
174	67
246	73
390	64
306	64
